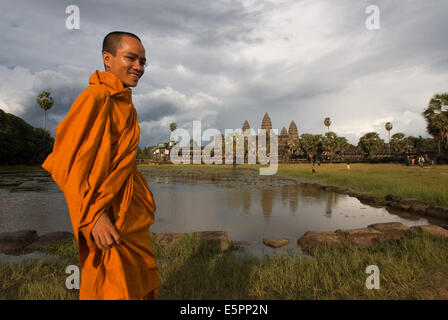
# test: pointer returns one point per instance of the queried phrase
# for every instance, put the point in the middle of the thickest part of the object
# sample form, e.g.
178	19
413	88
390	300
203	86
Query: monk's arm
99	228
97	224
80	163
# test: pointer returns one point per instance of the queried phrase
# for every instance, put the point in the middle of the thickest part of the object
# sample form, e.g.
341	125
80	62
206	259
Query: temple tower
293	134
245	125
282	138
266	123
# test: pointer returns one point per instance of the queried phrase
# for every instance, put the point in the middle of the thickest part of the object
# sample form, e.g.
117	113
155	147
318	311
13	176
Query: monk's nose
138	67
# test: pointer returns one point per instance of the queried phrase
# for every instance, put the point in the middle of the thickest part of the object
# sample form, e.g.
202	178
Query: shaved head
112	41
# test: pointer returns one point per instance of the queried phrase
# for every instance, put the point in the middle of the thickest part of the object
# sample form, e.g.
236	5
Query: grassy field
415	268
429	184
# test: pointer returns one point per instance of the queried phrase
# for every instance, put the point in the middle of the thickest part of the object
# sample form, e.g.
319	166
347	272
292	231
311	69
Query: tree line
21	143
330	146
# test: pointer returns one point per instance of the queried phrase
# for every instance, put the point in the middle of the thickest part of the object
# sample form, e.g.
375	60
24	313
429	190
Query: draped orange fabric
94	164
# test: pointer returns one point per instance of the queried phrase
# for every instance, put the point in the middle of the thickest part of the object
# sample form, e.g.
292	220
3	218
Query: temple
289	150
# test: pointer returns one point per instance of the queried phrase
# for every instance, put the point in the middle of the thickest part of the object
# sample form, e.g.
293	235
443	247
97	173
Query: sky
223	62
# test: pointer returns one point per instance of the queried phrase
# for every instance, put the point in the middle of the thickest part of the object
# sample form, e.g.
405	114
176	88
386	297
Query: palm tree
342	145
329	144
436	116
173	127
45	101
292	147
327	123
370	143
311	144
388	127
400	144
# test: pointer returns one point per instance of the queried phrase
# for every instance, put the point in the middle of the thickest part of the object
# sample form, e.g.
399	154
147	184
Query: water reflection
44	211
331	201
293	196
266	202
245	194
253	213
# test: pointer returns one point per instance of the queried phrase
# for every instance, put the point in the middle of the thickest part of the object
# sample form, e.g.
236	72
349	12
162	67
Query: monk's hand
104	233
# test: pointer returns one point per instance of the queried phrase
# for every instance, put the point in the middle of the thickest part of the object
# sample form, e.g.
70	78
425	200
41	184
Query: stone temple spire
292	132
245	125
283	133
283	138
266	123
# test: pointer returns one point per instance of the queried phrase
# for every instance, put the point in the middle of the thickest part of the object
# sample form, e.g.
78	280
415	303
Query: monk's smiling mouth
135	76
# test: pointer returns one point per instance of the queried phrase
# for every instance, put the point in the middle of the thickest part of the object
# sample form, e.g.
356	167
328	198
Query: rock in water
392	197
437	212
391	230
436	231
275	242
217	239
310	240
168	239
49	239
362	238
15	241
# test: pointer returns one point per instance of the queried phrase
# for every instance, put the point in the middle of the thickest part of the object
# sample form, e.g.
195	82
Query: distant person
421	161
413	161
348	165
313	169
408	161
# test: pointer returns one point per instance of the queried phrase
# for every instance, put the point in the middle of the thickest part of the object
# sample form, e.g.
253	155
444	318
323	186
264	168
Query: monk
93	162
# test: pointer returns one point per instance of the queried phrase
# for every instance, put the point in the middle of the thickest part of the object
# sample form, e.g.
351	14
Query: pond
247	206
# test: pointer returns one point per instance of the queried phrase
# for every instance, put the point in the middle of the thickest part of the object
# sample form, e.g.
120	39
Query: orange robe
94	164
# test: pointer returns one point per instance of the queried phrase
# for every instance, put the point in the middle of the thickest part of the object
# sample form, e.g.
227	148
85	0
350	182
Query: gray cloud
226	61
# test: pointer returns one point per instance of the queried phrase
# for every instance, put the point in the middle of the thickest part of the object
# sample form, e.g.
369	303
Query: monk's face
128	64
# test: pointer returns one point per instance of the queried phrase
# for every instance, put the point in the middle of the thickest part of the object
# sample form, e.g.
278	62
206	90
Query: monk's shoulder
91	100
97	92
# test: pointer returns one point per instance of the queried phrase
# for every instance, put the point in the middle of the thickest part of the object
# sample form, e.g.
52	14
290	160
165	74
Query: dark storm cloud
226	61
37	33
156	111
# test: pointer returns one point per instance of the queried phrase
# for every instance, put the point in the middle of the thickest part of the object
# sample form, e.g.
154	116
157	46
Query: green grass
429	185
37	279
414	268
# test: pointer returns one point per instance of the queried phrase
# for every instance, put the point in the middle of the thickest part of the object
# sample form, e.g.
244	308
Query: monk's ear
106	59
